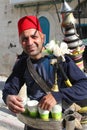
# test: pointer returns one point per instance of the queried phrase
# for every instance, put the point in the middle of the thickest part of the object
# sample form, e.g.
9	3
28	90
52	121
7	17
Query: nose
30	41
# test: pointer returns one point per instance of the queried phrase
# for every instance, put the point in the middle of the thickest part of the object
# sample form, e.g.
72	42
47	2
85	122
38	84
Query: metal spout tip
55	88
65	8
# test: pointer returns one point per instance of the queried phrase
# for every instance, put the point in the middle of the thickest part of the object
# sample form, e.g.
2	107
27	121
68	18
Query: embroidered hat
28	22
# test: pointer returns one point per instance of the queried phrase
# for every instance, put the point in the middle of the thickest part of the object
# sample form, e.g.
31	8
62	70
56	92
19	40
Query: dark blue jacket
20	75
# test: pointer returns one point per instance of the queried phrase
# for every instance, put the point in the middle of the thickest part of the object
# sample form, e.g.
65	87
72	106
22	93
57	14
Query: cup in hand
32	107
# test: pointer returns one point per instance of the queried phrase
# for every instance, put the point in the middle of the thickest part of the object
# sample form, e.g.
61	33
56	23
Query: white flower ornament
56	48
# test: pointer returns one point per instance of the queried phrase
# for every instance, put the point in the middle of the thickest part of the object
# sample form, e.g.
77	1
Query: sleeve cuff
57	96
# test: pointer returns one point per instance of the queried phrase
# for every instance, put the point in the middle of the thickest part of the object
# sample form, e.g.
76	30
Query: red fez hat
28	22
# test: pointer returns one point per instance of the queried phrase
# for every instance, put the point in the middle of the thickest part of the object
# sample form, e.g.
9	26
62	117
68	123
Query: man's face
32	42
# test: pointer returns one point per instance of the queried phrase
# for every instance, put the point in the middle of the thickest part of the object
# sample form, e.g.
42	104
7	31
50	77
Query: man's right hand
14	103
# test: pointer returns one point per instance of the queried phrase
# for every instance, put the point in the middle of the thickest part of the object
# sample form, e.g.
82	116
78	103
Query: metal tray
39	123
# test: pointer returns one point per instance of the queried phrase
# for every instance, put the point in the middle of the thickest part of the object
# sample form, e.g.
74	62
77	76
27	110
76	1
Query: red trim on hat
28	22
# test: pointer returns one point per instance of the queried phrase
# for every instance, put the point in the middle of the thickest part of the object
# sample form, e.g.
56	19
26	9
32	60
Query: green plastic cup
33	114
44	114
57	116
32	107
57	112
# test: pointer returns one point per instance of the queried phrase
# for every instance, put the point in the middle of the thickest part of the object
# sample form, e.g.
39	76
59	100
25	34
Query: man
32	39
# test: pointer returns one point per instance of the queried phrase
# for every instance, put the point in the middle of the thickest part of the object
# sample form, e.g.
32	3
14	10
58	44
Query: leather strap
37	77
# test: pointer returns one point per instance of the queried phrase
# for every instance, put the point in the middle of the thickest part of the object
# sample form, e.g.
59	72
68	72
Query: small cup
32	107
70	122
44	114
57	112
